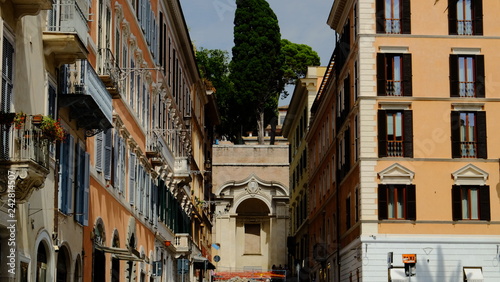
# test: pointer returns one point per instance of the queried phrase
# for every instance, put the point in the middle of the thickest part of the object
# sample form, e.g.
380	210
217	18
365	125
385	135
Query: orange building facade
402	148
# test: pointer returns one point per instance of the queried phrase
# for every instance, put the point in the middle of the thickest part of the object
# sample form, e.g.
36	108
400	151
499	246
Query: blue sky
210	23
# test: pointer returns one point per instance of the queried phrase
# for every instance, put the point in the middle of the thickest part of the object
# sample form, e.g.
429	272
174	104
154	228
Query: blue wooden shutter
116	161
108	141
71	172
80	182
132	171
98	151
86	188
122	160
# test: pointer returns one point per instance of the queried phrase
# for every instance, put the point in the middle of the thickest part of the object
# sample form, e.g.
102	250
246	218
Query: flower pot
37	120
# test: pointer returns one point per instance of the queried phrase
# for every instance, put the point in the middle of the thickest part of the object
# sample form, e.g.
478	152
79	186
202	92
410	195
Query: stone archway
63	265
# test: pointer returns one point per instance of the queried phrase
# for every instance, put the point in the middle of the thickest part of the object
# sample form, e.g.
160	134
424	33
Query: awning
474	274
121	254
398	275
200	262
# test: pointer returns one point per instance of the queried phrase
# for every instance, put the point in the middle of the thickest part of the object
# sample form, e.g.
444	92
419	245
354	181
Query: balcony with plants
86	97
65	35
24	152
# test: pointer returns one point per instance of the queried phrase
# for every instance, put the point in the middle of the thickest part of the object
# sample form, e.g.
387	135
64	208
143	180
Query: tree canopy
256	67
248	88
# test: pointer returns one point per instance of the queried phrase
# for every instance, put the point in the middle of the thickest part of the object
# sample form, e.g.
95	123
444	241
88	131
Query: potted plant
37	119
52	129
19	120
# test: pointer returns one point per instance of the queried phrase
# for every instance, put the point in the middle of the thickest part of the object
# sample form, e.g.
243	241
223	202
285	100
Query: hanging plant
52	129
19	120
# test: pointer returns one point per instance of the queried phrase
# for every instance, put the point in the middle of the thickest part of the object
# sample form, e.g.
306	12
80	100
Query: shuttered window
108	141
82	186
467	76
465	17
132	178
394	74
468	135
396	202
395	133
66	177
471	202
393	16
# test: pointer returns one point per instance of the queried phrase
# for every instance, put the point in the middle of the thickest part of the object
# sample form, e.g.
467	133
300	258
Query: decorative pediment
396	174
253	185
470	175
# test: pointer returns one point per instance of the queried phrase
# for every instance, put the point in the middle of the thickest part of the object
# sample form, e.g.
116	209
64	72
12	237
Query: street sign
217	258
409	258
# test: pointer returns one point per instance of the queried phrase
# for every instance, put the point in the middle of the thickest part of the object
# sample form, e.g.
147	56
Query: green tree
214	69
256	67
297	58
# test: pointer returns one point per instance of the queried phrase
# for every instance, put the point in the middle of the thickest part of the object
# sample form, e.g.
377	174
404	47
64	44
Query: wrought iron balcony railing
109	71
69	17
24	158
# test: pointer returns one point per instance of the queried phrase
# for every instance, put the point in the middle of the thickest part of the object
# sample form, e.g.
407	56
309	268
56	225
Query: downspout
337	181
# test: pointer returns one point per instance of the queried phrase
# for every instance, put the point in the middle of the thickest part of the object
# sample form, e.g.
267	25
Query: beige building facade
251	219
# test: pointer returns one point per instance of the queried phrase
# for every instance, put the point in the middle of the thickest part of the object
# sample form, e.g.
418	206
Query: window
66	175
393	16
465	17
7	92
468	134
119	152
395	133
82	178
396	202
102	163
471	202
394	75
467	76
132	166
348	212
252	238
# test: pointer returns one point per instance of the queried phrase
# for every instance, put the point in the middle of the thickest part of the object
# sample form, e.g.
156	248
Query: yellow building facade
414	99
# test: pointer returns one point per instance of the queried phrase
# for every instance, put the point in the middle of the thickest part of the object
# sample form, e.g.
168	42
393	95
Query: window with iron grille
468	134
395	133
471	202
465	17
396	202
393	16
467	76
394	74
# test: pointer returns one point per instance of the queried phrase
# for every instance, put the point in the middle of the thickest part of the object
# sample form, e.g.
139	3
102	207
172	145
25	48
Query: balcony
30	7
65	37
86	96
182	243
181	169
153	149
24	159
109	72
